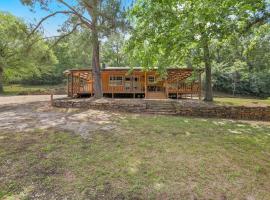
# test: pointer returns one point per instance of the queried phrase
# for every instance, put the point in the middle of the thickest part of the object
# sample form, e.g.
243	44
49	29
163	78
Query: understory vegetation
19	89
147	157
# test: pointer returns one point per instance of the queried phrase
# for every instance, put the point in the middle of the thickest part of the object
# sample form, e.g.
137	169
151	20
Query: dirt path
7	100
32	113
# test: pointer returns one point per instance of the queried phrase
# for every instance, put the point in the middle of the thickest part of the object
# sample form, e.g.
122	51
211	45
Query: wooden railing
121	89
185	88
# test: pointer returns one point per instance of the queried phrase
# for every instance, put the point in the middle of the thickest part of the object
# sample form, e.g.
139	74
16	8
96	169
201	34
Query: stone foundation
169	107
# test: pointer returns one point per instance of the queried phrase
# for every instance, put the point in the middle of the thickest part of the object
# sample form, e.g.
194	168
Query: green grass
241	102
147	157
18	89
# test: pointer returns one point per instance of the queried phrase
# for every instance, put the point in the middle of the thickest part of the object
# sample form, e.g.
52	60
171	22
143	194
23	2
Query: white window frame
113	80
151	76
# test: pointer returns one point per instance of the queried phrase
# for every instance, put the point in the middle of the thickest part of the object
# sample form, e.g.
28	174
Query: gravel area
31	113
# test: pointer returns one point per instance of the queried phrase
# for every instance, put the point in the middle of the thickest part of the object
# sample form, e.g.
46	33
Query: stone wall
169	107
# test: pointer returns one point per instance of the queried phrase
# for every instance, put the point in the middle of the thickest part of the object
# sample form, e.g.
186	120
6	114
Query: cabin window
151	79
116	80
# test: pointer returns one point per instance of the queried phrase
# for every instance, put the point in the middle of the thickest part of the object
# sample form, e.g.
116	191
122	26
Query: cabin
122	82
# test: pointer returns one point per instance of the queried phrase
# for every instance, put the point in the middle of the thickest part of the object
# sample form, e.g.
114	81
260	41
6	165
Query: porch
139	84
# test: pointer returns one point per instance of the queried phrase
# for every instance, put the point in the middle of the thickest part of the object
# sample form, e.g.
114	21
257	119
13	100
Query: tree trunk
1	81
208	73
93	12
96	67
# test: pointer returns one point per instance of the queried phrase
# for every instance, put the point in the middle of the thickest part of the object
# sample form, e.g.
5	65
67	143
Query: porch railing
185	88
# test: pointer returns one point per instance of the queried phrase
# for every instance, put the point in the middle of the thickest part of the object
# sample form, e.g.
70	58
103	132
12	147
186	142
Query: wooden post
113	91
145	84
166	88
92	84
72	84
68	77
51	98
200	86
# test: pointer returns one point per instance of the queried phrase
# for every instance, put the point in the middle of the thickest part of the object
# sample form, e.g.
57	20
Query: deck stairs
156	95
160	107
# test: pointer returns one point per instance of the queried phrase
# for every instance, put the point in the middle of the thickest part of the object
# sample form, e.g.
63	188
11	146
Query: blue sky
50	27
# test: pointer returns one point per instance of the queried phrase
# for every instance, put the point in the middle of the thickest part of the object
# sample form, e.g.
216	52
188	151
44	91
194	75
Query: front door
132	83
128	84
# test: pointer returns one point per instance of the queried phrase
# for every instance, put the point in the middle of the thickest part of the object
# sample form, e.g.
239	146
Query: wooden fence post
51	98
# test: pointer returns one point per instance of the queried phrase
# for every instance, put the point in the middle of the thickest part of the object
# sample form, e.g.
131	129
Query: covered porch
178	83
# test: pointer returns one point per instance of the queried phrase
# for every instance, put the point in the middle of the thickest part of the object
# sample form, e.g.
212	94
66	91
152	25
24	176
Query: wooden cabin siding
123	81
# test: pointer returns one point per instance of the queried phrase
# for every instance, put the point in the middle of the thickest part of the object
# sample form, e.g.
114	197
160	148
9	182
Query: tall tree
17	53
170	30
100	17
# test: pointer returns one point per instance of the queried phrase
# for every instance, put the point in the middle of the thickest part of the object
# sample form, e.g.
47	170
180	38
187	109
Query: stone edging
169	107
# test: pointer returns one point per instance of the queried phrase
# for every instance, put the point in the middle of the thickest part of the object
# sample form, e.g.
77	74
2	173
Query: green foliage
22	58
242	63
181	32
112	52
74	52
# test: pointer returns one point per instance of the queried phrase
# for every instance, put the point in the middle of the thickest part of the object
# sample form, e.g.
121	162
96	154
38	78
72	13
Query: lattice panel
178	75
83	75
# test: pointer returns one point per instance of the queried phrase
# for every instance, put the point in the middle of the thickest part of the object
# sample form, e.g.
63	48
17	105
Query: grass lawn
241	101
18	89
147	157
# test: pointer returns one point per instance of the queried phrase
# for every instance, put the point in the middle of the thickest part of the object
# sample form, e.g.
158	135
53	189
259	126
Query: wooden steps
156	95
160	107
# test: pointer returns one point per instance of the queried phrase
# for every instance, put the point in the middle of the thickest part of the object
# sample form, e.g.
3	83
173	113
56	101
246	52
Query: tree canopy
176	32
21	58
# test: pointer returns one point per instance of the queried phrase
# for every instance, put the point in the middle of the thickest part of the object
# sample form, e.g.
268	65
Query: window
128	79
116	80
151	79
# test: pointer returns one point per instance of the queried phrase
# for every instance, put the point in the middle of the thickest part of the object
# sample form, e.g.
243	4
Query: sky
50	26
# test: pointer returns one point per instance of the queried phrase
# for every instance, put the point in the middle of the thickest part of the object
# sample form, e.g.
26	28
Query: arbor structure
100	17
172	31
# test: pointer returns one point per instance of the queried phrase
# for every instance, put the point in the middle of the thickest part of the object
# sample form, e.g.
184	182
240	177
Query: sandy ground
31	113
5	100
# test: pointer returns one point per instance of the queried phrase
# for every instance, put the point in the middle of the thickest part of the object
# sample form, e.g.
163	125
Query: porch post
72	84
166	88
68	82
145	84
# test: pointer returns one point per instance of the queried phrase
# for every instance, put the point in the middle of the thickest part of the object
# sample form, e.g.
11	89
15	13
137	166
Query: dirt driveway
7	100
30	113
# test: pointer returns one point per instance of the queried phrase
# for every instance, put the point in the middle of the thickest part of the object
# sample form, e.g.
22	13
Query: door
132	84
128	84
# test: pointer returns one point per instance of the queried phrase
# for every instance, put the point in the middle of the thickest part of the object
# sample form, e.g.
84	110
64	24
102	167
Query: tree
170	30
100	17
248	57
17	53
73	52
113	51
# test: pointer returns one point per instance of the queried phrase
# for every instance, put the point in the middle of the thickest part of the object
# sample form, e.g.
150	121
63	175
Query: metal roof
129	68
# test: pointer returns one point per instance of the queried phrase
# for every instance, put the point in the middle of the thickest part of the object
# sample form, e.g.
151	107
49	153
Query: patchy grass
242	101
18	89
148	157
